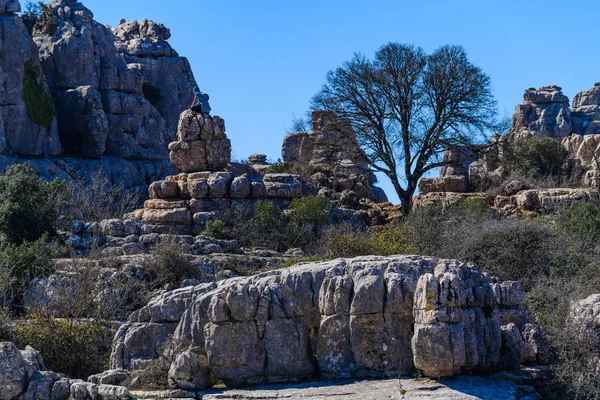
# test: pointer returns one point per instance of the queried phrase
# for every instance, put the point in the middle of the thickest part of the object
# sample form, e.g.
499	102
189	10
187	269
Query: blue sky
261	61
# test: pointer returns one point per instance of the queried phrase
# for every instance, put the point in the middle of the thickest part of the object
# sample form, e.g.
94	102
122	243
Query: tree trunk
407	201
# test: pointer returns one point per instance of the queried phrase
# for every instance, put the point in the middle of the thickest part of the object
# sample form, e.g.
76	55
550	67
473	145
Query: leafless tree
408	107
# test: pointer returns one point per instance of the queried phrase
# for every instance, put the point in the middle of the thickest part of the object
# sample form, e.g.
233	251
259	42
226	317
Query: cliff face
27	122
87	97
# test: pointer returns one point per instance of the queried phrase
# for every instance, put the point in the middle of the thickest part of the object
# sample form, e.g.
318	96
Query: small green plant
217	229
152	94
39	103
170	264
477	208
29	206
314	210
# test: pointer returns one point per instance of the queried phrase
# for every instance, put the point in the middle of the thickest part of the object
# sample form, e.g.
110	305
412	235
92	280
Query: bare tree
408	107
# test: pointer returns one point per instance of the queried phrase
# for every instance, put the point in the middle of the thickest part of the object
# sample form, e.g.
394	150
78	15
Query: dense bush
29	207
78	348
582	219
170	265
538	157
19	264
313	210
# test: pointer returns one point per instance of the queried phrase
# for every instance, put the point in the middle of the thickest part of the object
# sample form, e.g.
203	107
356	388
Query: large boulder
368	316
13	372
202	144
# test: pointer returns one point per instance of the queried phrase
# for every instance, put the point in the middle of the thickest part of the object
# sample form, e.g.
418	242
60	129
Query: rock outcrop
333	159
210	185
24	377
168	77
27	116
369	316
83	68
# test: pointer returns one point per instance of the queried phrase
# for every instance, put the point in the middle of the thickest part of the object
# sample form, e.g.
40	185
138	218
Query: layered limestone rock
454	174
168	77
210	185
368	316
201	143
332	157
90	79
23	376
27	117
545	111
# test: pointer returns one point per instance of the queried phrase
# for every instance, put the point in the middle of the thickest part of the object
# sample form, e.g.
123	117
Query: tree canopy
407	107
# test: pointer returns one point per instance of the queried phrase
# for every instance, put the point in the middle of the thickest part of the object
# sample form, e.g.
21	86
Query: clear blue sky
261	61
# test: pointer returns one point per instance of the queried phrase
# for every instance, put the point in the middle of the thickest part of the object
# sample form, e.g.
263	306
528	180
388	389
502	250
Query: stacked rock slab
22	129
369	316
164	71
332	157
210	185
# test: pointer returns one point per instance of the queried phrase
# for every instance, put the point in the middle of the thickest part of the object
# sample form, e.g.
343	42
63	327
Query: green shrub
78	348
38	102
538	157
217	229
314	210
28	206
581	219
345	241
152	94
170	265
476	208
19	264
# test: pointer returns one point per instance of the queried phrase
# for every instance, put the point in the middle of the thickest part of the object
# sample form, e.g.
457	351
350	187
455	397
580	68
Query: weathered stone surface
456	321
145	43
19	55
552	199
333	156
347	317
545	111
82	122
449	183
283	185
40	386
585	111
190	371
13	372
9	6
82	53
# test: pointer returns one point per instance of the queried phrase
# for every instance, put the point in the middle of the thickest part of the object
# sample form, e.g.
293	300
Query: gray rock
40	386
190	371
84	391
20	131
111	392
117	377
333	155
9	6
13	372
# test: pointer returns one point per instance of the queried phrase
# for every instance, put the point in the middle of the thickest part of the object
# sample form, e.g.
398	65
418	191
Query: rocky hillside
89	98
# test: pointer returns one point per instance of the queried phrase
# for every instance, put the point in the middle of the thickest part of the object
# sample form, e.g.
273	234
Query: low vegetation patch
39	103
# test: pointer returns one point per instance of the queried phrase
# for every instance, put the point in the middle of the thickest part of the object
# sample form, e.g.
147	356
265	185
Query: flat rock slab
464	387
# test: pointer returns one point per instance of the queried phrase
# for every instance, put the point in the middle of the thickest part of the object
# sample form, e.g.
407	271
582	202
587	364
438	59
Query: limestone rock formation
368	316
545	111
27	116
23	376
168	78
201	143
75	52
332	157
